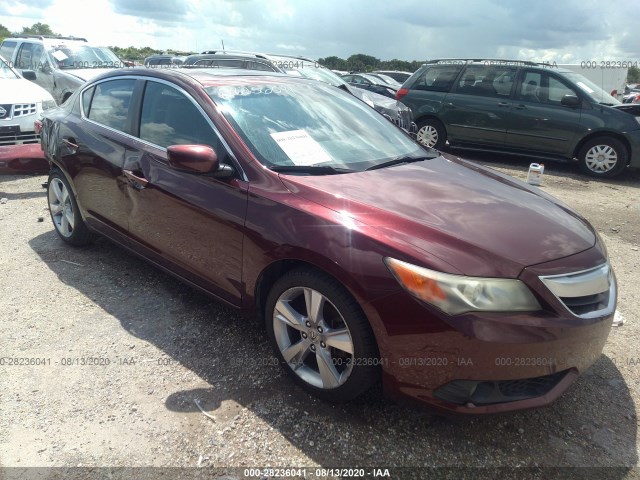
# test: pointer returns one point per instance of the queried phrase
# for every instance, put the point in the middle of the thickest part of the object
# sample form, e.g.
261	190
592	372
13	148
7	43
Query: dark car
164	61
522	108
222	59
398	75
371	83
369	256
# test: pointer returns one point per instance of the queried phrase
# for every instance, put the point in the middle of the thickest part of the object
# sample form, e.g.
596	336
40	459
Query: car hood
474	219
19	90
377	100
86	73
632	108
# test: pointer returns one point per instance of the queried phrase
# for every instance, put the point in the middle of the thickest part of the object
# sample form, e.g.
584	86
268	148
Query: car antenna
222	44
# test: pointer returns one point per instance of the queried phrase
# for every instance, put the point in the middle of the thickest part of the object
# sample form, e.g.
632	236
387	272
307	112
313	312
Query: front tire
603	157
320	335
431	133
65	213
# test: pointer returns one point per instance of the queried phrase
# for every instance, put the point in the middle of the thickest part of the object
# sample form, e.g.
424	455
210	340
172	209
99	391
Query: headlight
47	104
455	294
637	119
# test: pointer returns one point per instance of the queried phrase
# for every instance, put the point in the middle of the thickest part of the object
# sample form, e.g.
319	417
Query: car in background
395	111
164	61
387	79
368	256
61	64
228	59
397	75
21	104
523	108
371	83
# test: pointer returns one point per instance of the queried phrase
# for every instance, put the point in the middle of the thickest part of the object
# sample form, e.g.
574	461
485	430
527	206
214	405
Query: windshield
6	72
388	80
591	89
311	124
83	56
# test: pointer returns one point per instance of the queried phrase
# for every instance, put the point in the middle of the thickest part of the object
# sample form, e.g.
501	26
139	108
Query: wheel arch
602	133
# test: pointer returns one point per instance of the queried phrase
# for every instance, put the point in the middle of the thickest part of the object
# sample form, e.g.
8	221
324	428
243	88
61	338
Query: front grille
22	109
586	294
479	393
9	111
19	138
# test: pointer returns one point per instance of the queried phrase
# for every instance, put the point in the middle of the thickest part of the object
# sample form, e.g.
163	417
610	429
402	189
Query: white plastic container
534	177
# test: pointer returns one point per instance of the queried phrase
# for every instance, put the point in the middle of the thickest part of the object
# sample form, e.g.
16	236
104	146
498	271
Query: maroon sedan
368	256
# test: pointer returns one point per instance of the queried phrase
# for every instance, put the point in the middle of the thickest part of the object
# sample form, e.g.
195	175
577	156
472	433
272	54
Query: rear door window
487	81
110	103
437	78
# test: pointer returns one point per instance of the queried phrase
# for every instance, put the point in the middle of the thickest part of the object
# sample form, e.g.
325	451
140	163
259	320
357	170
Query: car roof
205	76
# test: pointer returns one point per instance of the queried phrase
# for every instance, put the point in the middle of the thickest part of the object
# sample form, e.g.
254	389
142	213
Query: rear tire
431	133
321	336
603	157
65	213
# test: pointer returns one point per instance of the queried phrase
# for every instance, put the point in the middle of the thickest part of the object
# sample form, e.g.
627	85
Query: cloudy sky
564	31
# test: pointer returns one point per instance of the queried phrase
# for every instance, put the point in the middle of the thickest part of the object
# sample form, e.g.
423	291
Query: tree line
357	62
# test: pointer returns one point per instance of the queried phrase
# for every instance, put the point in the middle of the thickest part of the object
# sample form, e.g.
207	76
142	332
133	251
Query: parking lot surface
109	362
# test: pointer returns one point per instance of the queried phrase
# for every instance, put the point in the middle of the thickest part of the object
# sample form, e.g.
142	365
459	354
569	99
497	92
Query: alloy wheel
61	207
313	338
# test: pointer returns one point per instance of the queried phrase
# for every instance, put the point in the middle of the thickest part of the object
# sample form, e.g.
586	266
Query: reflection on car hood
479	221
19	90
86	73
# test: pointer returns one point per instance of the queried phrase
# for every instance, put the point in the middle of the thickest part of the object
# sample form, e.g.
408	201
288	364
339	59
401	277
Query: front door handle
503	104
136	182
521	107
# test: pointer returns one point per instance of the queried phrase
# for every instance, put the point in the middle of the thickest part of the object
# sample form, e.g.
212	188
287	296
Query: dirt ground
123	360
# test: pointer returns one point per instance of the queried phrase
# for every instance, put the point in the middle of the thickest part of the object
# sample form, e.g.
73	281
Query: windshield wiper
399	160
310	169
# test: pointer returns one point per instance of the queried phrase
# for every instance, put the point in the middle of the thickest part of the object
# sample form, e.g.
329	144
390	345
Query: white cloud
564	31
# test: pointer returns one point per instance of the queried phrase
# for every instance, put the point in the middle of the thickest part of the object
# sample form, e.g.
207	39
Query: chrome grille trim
586	294
22	109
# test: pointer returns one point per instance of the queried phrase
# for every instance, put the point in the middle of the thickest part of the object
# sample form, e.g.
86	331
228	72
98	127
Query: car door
478	109
93	147
192	223
540	123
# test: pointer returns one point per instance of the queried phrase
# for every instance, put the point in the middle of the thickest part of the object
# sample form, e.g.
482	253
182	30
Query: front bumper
23	159
488	362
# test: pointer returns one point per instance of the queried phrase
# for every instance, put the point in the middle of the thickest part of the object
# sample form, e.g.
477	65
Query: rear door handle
136	182
521	107
503	104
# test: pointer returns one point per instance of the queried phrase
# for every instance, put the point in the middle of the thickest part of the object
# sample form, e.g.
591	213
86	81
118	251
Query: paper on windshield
585	87
301	148
59	55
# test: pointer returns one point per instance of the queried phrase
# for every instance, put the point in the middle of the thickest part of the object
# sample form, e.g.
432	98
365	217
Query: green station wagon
523	108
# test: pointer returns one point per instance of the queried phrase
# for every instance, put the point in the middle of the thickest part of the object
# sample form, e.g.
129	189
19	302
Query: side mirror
197	159
29	74
570	101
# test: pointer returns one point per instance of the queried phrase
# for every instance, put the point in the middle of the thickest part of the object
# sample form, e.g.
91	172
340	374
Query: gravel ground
130	359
